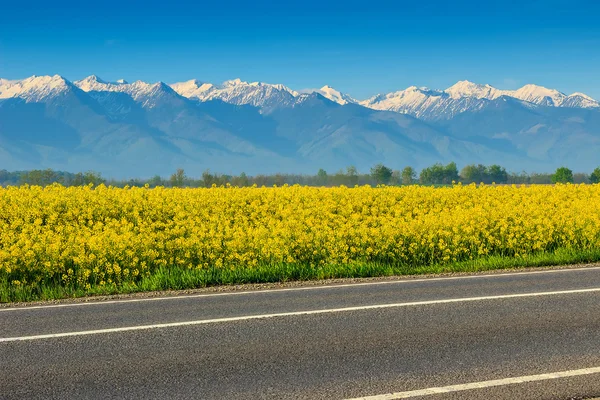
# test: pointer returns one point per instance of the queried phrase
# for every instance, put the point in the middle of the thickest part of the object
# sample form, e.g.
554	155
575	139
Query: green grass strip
182	278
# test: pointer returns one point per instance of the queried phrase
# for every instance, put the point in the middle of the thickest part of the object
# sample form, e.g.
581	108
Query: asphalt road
333	342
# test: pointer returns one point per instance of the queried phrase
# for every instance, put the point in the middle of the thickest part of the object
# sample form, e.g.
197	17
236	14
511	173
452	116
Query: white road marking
316	287
294	313
481	385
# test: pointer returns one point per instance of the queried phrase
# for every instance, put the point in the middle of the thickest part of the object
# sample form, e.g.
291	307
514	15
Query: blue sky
358	47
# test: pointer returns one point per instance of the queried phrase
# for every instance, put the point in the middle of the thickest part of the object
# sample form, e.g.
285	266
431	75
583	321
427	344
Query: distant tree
497	174
352	175
93	177
279	179
432	175
209	179
562	175
579	177
78	179
450	173
409	176
155	181
595	176
241	180
178	178
322	177
439	174
33	177
473	173
396	177
536	178
381	174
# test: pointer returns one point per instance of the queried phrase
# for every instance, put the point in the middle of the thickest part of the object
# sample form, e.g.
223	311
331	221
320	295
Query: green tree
92	177
474	174
352	175
409	176
381	174
155	181
432	175
562	175
322	177
450	173
497	174
241	181
178	178
595	176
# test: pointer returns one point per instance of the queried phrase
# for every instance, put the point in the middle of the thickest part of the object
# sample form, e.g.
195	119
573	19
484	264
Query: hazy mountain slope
139	129
332	135
550	136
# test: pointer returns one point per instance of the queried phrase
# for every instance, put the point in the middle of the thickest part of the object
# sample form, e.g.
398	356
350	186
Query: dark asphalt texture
326	356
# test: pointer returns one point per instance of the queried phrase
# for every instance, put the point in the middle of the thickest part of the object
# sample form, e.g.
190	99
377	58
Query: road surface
521	335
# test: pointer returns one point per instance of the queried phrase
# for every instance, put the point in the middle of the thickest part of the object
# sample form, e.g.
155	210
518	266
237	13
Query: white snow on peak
411	100
145	93
470	89
122	81
236	91
192	88
335	95
582	95
580	100
468	96
35	88
539	95
332	94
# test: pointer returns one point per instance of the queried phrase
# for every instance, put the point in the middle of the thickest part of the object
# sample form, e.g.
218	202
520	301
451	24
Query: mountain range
140	129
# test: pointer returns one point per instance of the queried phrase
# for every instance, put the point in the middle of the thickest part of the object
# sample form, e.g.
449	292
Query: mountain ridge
123	129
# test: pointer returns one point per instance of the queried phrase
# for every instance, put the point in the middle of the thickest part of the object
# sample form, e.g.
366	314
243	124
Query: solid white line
316	287
293	313
481	385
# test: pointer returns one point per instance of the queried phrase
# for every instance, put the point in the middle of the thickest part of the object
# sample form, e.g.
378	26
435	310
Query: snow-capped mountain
424	103
36	88
332	94
141	128
579	100
463	89
539	95
238	92
148	94
468	96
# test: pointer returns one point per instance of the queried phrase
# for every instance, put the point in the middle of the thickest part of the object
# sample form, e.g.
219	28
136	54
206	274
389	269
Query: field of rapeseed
58	241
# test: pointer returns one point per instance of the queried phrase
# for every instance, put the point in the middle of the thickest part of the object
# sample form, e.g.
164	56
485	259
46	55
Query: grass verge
183	278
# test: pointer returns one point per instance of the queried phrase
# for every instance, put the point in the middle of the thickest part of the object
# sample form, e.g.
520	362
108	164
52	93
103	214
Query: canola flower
83	236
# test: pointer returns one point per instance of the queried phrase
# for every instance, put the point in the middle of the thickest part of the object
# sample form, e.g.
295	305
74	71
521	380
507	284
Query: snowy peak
234	82
468	96
148	94
90	83
539	95
332	94
469	89
336	96
579	100
236	91
192	88
35	88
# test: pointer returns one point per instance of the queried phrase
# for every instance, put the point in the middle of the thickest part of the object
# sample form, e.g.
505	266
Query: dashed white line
316	287
294	313
481	385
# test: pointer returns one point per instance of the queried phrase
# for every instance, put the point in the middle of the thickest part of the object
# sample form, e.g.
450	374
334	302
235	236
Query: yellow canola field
86	236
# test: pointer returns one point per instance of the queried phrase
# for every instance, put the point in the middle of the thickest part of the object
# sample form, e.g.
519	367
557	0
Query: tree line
436	174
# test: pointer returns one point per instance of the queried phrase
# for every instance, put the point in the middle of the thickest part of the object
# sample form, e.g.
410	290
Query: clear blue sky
359	47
